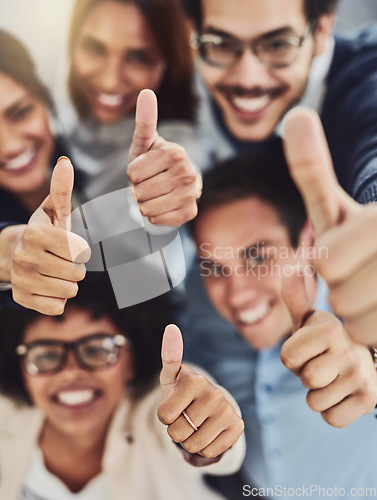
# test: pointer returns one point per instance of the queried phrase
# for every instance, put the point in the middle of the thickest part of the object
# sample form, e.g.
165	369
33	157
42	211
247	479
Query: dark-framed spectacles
274	51
92	352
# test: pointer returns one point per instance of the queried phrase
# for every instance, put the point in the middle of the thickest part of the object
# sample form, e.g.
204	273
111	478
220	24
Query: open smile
20	163
254	315
76	398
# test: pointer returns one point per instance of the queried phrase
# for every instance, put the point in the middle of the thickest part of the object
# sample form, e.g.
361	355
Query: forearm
9	238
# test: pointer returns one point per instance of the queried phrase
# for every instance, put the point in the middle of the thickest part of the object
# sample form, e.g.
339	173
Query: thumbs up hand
48	260
196	412
346	229
340	374
166	184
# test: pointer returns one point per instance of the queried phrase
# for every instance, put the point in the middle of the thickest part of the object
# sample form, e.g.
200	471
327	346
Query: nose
111	76
71	364
11	142
250	71
241	288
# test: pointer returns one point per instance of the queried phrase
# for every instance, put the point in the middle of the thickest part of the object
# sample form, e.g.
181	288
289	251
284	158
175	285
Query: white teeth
73	398
253	104
111	100
21	160
253	315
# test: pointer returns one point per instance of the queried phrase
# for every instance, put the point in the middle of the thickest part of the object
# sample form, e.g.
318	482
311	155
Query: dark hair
142	324
16	62
167	21
264	175
314	9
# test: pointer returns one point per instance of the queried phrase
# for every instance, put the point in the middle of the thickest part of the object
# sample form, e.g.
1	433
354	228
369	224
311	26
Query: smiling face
115	57
244	251
253	98
26	142
77	402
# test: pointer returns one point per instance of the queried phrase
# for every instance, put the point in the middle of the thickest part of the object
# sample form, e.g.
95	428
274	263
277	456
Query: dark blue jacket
349	114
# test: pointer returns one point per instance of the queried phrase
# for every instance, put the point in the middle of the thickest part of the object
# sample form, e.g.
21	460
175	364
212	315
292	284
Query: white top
41	484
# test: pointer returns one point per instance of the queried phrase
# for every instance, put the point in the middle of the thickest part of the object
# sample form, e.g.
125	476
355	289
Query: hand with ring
197	413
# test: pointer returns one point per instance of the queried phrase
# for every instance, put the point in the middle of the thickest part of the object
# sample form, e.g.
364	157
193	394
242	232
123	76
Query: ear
323	32
307	236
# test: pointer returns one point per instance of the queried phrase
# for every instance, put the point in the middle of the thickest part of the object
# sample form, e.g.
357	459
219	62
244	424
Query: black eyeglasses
275	51
91	353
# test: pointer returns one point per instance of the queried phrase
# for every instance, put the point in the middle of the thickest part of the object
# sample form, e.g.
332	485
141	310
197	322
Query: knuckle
32	234
309	377
191	446
286	357
164	415
334	418
312	401
80	273
209	452
72	290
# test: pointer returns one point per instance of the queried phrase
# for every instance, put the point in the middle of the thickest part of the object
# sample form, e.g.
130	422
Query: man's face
244	252
252	97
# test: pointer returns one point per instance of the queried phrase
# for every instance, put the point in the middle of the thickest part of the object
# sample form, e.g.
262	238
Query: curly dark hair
263	175
142	324
176	95
16	63
313	8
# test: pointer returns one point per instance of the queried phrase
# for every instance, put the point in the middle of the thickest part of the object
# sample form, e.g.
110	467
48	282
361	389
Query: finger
58	204
57	241
347	248
179	198
176	218
347	411
207	433
223	441
43	305
171	355
46	286
295	297
320	371
52	266
322	399
310	164
145	123
321	331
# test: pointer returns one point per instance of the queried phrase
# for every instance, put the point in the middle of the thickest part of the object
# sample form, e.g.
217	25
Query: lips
20	162
254	315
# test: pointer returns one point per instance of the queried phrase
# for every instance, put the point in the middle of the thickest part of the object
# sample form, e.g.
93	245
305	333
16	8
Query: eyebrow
284	30
13	108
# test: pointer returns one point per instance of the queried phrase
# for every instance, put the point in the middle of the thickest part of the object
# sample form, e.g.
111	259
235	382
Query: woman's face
77	401
116	56
26	142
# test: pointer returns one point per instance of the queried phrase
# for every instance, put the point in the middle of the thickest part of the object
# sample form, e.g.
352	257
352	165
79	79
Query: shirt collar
315	91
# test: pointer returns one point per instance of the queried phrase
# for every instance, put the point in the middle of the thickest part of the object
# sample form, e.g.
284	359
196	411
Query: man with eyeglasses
260	58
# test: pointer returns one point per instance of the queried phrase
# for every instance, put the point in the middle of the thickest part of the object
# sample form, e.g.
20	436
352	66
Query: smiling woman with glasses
79	399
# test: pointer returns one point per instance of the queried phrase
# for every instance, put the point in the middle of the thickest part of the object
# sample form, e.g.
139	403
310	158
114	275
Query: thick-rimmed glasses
274	51
92	352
